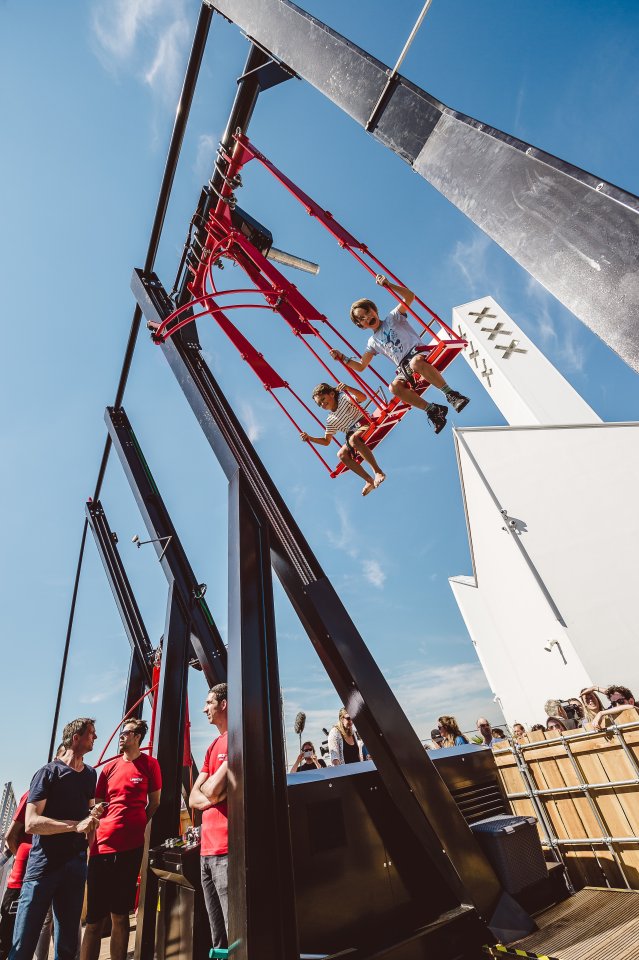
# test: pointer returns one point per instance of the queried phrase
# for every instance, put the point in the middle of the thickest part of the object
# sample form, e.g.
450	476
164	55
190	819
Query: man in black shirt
61	816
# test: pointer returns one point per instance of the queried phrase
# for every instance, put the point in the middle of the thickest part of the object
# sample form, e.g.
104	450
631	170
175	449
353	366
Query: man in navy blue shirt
61	816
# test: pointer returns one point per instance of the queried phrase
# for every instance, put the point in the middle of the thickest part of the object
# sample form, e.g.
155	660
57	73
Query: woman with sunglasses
307	760
342	743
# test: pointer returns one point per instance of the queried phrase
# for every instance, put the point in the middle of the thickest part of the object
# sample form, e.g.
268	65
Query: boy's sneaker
457	400
437	416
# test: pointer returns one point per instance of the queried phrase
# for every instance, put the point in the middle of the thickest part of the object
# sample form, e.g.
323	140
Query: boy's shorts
362	422
404	371
111	883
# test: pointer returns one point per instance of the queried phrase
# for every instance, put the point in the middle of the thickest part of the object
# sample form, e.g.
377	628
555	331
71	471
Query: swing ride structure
442	895
231	235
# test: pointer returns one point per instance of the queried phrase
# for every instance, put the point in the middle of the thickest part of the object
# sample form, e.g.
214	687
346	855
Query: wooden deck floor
595	924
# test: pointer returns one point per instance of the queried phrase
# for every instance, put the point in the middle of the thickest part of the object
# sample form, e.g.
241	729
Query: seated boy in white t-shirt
395	338
345	417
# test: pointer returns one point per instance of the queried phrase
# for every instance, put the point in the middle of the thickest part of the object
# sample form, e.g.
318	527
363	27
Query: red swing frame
279	295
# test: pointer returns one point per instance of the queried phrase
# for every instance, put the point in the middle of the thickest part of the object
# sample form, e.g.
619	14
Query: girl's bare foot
368	487
379	478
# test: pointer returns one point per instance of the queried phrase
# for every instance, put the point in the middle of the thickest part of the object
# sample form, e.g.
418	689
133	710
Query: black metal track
121	588
575	233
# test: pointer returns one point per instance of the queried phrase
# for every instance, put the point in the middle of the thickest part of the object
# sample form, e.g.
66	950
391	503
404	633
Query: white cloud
147	37
469	258
426	692
519	103
557	331
165	73
374	573
344	538
250	421
205	156
102	686
116	24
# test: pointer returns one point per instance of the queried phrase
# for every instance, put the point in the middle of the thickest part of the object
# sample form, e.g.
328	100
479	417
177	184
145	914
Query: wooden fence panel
609	812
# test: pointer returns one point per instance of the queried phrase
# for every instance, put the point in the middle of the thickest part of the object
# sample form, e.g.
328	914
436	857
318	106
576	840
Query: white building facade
550	501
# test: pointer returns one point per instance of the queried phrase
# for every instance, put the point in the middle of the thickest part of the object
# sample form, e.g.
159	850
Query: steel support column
205	638
572	231
168	749
419	794
262	919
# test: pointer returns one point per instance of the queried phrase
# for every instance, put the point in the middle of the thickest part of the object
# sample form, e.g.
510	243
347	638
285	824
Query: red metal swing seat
274	292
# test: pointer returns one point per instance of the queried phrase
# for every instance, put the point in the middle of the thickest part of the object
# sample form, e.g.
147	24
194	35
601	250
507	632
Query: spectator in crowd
557	723
19	843
343	745
307	759
537	726
498	734
592	705
130	786
575	710
452	735
486	732
555	708
209	796
61	815
437	741
518	731
620	699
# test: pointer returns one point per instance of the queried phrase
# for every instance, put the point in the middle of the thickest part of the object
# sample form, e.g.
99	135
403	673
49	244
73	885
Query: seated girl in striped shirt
345	417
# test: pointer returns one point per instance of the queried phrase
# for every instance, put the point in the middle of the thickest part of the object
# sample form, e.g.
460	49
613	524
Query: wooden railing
583	788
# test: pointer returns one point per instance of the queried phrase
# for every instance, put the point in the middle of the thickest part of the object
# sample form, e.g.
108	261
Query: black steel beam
106	542
572	231
206	641
407	772
136	687
168	749
262	921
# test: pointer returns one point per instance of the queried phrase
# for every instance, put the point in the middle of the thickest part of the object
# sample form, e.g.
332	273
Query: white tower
524	385
552	524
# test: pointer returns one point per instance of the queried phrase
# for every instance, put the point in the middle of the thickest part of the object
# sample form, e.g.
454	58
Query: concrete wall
572	493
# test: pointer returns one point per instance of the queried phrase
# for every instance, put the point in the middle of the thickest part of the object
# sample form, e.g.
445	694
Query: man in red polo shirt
209	796
130	785
19	844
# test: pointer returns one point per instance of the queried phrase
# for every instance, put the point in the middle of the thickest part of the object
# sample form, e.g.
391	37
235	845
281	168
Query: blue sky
88	93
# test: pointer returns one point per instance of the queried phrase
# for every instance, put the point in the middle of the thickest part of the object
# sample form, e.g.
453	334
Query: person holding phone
307	759
62	816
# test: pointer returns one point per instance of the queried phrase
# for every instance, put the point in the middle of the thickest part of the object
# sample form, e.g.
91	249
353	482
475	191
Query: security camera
135	539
